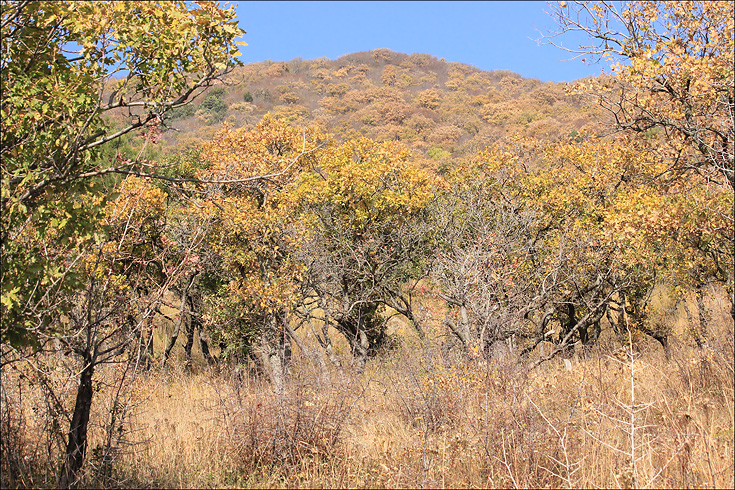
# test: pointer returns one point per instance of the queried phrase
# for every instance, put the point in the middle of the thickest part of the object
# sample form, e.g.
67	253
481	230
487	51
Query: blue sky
488	35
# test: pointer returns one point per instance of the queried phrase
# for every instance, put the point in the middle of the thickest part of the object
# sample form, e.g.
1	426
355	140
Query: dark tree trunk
593	321
195	323
353	330
285	342
77	444
614	322
569	323
195	309
189	343
204	344
587	337
596	331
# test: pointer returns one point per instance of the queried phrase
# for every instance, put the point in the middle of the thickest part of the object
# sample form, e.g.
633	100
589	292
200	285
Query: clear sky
488	35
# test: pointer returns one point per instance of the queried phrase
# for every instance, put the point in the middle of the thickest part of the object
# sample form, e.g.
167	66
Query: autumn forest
385	270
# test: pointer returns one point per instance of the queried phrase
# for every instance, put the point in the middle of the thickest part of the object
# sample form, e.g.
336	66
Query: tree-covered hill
439	109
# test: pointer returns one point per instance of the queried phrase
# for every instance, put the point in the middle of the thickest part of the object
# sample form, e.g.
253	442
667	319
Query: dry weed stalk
505	463
570	467
283	430
630	425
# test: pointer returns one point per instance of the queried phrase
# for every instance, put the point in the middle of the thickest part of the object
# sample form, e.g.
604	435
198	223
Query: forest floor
611	416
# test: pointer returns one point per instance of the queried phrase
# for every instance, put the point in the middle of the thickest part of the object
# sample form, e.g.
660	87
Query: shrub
438	153
213	106
180	112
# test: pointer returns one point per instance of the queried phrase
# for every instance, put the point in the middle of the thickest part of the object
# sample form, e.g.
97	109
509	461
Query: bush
283	434
180	112
213	105
437	153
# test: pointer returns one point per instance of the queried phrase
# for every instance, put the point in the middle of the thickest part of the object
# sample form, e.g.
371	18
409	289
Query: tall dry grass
614	416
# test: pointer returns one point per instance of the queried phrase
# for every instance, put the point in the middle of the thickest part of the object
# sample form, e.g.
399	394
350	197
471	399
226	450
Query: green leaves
54	105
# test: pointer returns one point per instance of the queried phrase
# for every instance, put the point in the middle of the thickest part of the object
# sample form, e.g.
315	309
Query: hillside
438	109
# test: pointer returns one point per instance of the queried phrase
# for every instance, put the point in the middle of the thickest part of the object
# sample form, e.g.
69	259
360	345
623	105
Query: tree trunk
274	365
276	370
172	339
692	328
184	319
614	322
77	443
276	353
360	349
285	340
149	349
195	308
596	331
571	321
703	327
466	335
329	348
204	344
189	343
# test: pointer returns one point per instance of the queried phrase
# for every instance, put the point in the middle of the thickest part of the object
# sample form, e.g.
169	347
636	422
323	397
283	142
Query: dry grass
417	419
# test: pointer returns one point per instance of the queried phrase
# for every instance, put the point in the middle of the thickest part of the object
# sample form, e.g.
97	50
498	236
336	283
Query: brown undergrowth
616	416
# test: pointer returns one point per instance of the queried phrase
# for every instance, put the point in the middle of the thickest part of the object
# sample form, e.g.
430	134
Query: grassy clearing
606	417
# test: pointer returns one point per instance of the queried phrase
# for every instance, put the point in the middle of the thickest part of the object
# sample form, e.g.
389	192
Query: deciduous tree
255	230
673	66
65	67
368	243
